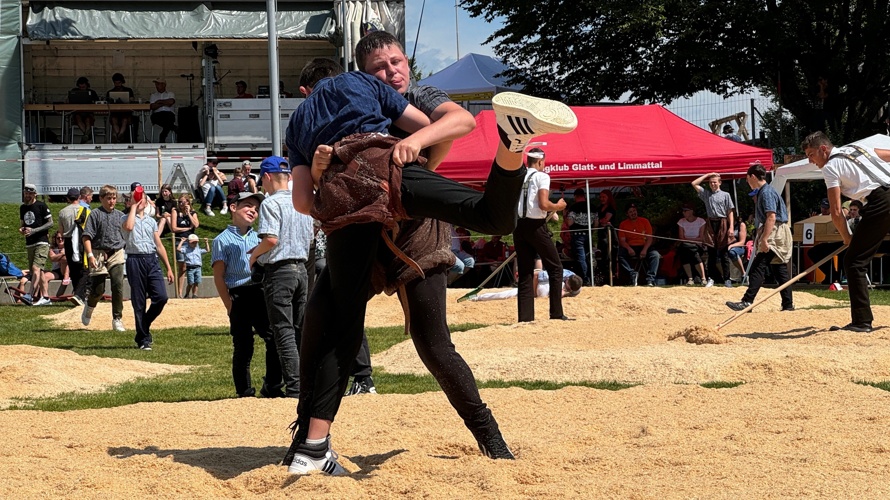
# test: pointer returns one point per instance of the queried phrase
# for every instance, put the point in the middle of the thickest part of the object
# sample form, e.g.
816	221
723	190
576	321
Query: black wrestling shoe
495	448
737	306
364	385
564	318
788	308
854	327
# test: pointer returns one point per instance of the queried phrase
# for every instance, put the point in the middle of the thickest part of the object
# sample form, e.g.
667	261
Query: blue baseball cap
274	165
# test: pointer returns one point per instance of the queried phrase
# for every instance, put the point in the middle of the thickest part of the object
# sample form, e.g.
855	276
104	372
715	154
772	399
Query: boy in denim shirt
193	254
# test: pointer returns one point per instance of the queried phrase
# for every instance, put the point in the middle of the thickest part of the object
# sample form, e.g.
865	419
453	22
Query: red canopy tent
613	146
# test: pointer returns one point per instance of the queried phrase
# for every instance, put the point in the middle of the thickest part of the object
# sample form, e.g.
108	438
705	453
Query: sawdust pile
799	425
29	372
699	335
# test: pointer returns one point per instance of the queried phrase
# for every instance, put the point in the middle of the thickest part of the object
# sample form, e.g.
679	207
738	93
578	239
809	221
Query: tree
584	51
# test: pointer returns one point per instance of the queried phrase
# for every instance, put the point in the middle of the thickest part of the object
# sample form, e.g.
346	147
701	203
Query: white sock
316	442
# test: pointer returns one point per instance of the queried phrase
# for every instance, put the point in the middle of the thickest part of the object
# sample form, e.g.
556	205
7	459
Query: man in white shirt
162	109
532	236
859	173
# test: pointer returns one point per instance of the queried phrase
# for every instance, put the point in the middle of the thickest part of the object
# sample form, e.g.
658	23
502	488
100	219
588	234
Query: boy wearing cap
286	235
192	254
104	245
243	298
161	105
241	90
36	220
143	247
71	232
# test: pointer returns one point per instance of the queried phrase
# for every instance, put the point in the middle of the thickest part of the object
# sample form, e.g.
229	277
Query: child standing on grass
192	254
104	245
144	247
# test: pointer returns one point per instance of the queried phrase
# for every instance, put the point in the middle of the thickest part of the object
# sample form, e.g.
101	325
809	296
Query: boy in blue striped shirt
244	300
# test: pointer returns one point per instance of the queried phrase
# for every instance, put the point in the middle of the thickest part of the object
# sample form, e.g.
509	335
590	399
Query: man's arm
763	235
162	253
219	272
545	203
266	244
837	214
696	184
453	122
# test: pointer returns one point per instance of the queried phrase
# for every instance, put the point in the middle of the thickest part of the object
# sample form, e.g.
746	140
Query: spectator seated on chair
691	249
634	242
738	249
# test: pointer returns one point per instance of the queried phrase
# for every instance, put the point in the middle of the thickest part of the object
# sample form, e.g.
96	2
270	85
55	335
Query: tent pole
788	209
609	252
589	233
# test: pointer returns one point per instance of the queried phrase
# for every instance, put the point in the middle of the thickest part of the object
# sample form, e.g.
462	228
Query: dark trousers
146	282
581	250
758	275
533	237
362	367
166	120
97	289
690	253
718	255
248	317
334	321
76	270
336	309
428	194
432	339
871	230
284	286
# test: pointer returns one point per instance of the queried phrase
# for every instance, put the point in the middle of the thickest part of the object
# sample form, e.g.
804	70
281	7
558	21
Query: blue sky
437	47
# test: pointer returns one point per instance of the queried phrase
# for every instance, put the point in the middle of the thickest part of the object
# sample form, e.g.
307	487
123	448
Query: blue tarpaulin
473	77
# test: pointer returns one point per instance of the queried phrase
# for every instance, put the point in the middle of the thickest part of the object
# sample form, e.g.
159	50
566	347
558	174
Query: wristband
90	254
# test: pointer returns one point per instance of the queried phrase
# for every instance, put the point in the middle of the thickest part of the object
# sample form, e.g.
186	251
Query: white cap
245	163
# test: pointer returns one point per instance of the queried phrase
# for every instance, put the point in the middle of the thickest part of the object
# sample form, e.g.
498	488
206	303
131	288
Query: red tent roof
613	146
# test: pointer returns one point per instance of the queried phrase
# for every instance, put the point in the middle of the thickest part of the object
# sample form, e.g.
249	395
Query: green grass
12	242
719	384
209	350
884	385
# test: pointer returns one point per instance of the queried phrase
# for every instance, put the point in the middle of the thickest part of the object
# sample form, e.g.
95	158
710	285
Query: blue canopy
473	77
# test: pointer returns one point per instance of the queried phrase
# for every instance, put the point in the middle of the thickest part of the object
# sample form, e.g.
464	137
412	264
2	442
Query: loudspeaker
189	125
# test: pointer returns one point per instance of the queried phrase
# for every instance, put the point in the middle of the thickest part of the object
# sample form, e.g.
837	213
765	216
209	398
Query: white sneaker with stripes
321	457
522	118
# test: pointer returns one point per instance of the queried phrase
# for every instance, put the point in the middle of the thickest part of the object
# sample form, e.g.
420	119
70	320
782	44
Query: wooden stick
472	293
160	173
784	286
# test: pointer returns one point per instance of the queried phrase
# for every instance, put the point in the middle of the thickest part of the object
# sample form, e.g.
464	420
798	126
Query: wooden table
67	109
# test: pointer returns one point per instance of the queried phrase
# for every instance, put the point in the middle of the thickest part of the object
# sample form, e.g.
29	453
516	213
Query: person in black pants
773	241
863	174
532	236
334	321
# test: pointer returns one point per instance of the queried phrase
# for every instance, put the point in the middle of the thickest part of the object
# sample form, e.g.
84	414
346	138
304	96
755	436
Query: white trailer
56	168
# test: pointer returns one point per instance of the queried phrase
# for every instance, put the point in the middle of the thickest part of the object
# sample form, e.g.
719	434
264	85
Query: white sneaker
304	464
690	282
209	212
523	118
118	325
86	315
728	283
42	302
710	283
225	209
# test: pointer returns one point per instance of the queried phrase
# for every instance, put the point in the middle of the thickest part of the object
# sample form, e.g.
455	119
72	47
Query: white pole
456	30
589	232
275	105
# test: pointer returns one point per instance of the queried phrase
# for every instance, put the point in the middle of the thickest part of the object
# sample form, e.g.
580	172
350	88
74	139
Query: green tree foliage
656	51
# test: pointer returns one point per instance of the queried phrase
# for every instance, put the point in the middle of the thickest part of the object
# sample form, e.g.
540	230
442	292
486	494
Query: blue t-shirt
768	200
192	255
346	104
